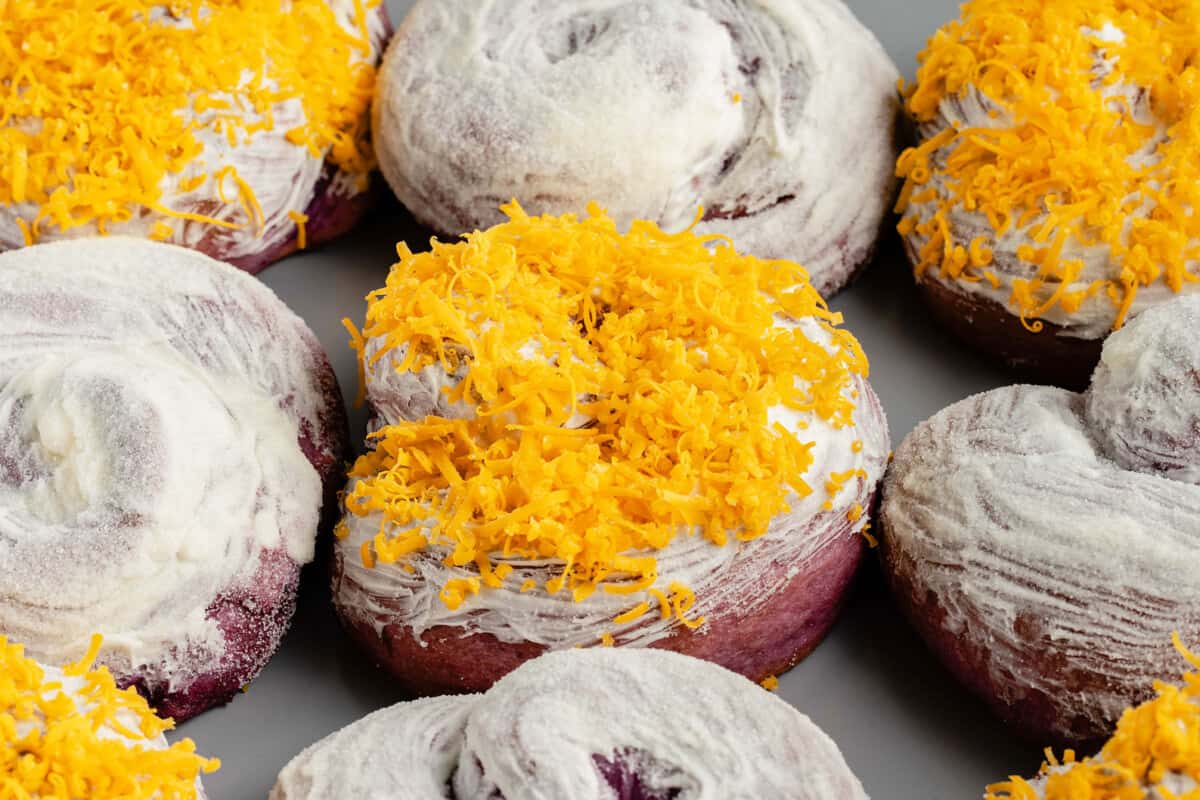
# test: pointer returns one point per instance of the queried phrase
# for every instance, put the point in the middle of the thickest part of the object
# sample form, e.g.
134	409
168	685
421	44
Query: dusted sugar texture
168	430
70	734
237	129
1046	543
1057	167
625	724
683	455
1154	755
777	116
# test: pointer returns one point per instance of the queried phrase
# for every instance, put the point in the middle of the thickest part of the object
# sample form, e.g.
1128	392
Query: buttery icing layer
736	578
1004	509
776	116
151	402
581	724
254	168
1056	167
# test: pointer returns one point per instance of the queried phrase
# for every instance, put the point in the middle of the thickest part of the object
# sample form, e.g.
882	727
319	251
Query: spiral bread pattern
1154	755
586	436
776	116
1045	543
630	724
1057	166
70	734
237	129
168	431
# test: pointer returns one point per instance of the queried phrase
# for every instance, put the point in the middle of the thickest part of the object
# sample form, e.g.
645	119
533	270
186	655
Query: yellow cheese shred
621	385
102	102
1152	741
1095	142
59	745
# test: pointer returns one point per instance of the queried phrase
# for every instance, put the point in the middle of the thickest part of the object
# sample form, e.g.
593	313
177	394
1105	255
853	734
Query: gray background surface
904	725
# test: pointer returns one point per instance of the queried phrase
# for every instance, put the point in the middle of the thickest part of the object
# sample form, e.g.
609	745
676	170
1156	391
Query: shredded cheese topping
621	386
101	101
1093	140
1154	740
68	745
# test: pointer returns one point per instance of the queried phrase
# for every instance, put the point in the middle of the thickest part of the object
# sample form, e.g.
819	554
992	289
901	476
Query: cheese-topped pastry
591	437
71	734
1049	199
238	129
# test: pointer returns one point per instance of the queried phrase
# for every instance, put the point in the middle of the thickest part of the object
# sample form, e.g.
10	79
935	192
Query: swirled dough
583	724
776	116
152	407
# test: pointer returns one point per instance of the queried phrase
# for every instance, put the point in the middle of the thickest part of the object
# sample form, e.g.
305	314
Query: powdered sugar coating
735	579
776	116
1144	404
166	425
1058	573
557	726
284	176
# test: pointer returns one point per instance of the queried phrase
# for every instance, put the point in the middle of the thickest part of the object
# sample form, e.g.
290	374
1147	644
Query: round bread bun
630	724
778	117
72	734
681	456
1046	202
1151	755
1045	543
237	129
169	431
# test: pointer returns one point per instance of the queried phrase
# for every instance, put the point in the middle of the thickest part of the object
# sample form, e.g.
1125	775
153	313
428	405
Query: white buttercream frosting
151	401
284	176
1008	509
777	112
684	727
737	576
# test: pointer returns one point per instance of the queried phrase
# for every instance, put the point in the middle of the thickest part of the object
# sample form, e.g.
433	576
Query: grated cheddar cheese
1153	743
621	385
69	746
1092	141
102	102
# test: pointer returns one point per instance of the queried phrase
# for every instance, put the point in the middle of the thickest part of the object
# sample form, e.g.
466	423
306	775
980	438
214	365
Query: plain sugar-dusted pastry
1050	198
1046	544
777	116
169	431
237	129
71	734
623	724
585	436
1154	755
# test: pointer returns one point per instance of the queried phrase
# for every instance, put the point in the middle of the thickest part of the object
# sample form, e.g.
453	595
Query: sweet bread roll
237	129
1049	199
777	116
169	431
630	724
71	734
585	436
1045	543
